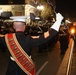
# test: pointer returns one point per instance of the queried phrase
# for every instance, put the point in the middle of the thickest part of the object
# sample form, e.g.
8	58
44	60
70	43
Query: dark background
66	7
6	2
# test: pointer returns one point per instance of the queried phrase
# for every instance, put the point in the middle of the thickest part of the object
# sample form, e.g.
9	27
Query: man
63	39
20	45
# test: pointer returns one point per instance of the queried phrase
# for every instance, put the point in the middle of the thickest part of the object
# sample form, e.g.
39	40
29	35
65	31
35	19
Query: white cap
20	18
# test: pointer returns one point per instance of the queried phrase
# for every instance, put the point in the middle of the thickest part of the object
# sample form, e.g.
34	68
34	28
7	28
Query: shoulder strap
20	56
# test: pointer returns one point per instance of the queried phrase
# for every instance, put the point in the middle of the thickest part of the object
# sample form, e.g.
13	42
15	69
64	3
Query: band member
20	45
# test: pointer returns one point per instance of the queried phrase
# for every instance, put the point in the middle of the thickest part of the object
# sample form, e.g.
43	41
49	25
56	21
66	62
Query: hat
20	18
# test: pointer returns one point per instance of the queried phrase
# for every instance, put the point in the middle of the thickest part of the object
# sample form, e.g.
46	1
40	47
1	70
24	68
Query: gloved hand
59	17
58	21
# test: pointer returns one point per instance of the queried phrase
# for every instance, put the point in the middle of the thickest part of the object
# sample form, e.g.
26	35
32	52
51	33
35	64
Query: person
63	39
26	43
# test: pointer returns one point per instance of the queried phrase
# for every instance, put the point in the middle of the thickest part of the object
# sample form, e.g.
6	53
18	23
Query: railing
65	66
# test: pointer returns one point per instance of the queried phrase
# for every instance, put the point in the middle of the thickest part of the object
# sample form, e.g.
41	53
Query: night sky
3	2
6	2
66	7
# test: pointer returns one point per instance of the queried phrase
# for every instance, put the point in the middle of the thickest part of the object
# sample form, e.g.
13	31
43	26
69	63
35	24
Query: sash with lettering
20	56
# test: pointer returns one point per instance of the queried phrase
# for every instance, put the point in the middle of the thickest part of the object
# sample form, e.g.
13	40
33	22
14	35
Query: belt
14	59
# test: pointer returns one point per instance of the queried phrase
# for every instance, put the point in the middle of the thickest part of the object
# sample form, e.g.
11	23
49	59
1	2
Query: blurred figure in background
63	39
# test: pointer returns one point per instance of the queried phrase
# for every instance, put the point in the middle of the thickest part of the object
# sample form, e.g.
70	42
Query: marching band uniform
27	42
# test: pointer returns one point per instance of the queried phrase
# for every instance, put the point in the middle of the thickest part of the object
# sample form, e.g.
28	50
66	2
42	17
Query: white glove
58	21
59	17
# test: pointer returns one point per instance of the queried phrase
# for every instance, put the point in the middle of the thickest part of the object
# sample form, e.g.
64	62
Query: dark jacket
27	43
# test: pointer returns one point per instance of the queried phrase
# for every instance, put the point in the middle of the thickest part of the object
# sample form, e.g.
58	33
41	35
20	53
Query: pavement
46	62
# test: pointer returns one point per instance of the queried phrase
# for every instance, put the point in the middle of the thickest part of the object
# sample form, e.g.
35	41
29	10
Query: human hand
59	17
58	21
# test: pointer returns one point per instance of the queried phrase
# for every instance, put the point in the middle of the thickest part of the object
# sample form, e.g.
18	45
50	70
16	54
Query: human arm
55	26
50	33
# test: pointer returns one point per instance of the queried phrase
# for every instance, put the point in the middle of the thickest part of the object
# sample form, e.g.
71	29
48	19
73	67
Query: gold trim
14	37
18	45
